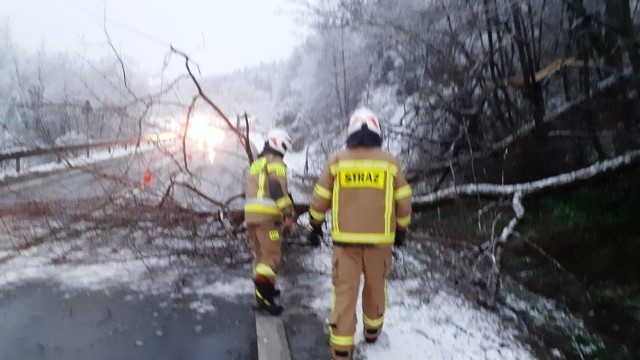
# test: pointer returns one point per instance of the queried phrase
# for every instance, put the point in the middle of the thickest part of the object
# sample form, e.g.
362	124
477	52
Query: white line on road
272	339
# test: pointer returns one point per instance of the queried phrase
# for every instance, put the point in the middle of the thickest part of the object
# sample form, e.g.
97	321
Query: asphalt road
38	321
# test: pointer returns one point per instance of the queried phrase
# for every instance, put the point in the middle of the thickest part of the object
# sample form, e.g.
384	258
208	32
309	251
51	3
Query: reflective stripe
403	192
283	202
261	206
404	221
266	202
360	164
322	192
388	205
340	340
262	297
257	166
335	211
261	182
316	215
373	323
274	235
362	238
262	209
279	169
264	270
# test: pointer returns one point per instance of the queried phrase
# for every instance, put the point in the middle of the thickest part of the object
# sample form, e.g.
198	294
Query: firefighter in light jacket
267	207
370	201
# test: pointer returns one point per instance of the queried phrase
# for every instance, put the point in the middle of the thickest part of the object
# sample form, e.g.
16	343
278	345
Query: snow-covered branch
495	190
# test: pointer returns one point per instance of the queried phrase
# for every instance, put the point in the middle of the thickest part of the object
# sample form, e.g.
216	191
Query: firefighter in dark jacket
370	201
267	207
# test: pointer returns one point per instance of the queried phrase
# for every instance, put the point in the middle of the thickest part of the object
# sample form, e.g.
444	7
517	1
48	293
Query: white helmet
279	140
363	116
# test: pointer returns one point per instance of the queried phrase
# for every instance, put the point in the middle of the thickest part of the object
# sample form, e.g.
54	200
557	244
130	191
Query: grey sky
220	35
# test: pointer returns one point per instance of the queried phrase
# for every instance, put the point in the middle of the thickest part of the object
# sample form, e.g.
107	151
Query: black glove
399	239
315	235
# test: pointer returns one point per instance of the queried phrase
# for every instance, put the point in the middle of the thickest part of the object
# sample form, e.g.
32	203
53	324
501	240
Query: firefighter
268	205
370	201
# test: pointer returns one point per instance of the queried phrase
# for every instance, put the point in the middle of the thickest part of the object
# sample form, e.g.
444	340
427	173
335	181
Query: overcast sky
220	35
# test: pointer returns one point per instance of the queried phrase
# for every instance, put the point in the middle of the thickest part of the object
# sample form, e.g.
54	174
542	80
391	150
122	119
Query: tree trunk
532	88
619	36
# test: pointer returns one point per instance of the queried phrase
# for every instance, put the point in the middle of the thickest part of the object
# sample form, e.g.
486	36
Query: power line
105	17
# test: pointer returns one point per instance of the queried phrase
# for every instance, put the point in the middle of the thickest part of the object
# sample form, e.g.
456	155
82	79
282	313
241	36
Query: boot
265	293
341	354
371	335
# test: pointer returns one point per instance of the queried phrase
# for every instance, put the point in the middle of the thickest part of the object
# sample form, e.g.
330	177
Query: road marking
272	339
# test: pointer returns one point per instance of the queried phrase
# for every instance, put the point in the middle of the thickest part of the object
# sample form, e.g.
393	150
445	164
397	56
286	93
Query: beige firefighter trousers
348	263
265	241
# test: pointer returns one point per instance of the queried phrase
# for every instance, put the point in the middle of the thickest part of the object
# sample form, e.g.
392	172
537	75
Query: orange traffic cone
147	176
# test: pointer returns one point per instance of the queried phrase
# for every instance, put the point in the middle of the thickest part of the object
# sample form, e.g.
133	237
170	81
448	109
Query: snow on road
419	323
423	323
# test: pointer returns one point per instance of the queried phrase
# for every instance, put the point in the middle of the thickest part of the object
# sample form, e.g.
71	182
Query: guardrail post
18	165
87	151
59	158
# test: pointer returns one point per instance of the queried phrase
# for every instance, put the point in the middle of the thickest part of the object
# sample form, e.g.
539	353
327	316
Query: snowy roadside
422	322
95	157
426	317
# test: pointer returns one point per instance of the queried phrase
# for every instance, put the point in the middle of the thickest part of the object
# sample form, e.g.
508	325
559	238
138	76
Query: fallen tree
489	278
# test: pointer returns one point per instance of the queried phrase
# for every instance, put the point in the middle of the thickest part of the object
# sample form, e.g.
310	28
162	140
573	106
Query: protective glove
399	239
315	235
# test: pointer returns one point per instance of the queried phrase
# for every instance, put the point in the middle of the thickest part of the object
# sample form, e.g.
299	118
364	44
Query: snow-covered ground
422	321
425	323
441	326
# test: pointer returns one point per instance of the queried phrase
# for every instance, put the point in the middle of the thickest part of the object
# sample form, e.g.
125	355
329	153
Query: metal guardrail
17	155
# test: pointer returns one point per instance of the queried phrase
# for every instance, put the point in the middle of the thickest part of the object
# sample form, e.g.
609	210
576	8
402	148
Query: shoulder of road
271	337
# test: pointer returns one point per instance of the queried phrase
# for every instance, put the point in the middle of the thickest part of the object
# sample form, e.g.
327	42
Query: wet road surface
39	321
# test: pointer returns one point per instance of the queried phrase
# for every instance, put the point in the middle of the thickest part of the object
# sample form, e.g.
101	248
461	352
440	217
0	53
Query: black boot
265	293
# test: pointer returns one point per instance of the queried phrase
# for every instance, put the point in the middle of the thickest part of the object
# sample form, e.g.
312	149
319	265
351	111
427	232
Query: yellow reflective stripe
274	235
261	182
340	340
335	211
373	323
262	209
322	192
279	169
403	192
388	205
262	298
404	221
264	270
316	215
257	166
369	164
283	202
362	238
